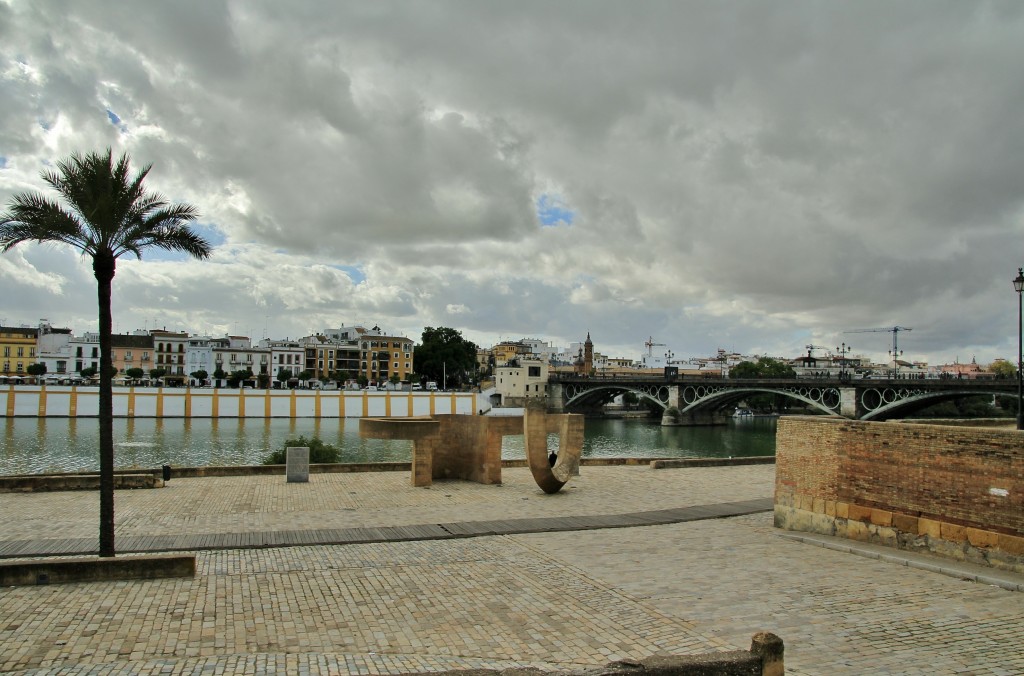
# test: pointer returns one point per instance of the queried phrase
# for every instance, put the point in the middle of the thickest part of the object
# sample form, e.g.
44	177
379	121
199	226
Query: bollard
770	648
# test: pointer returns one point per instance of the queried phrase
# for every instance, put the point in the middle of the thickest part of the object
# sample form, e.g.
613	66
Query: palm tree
107	214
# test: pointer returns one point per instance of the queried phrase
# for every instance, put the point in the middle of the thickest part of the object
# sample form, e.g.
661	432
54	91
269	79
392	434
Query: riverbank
59	401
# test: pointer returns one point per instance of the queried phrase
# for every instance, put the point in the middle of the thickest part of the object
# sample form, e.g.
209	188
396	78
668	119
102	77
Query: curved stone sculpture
537	424
469	447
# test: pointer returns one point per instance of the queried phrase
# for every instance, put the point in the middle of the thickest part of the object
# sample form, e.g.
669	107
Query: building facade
17	350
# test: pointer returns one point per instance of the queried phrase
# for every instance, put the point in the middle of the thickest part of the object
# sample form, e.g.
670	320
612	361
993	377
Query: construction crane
895	331
651	344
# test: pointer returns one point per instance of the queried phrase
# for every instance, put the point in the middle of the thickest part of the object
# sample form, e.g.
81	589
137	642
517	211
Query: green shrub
319	452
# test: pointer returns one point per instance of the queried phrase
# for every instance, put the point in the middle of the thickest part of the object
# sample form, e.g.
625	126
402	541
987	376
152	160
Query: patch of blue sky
115	120
3	162
553	211
354	273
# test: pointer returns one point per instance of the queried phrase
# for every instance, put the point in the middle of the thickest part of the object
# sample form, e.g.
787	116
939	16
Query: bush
319	452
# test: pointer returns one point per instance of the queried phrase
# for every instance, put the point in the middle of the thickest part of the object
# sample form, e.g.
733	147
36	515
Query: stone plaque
297	464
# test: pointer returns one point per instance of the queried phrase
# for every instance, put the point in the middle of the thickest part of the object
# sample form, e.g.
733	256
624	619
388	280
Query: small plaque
297	464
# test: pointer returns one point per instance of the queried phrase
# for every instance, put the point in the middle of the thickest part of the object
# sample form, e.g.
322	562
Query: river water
37	445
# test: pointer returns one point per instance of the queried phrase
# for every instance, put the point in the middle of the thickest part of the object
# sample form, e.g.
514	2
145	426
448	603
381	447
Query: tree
200	375
444	353
88	372
106	213
765	367
220	374
36	370
157	373
284	375
235	378
1003	369
134	373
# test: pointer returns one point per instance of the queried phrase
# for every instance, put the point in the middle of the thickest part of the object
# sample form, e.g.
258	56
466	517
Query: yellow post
73	402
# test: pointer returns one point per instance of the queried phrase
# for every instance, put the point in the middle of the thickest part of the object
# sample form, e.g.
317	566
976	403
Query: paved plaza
553	600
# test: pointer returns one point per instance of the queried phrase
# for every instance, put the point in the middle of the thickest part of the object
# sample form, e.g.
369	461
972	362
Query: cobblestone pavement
552	600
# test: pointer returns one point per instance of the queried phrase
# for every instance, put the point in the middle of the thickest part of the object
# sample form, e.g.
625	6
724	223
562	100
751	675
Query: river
38	445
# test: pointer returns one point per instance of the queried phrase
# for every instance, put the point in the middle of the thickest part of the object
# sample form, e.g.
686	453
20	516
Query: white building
289	355
521	380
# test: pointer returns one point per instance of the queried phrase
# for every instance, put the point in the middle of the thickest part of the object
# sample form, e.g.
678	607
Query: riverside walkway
361	573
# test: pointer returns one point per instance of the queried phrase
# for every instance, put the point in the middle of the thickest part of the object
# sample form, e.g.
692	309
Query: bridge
709	401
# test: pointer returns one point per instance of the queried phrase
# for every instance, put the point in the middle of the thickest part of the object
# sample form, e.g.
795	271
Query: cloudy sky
754	176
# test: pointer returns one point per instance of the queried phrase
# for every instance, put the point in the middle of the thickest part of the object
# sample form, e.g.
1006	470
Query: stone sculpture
469	447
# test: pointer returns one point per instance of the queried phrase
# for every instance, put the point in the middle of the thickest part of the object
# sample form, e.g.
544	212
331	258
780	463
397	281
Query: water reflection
33	445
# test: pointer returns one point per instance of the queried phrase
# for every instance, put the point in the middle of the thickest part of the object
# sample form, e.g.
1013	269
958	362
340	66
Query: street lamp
1018	286
842	365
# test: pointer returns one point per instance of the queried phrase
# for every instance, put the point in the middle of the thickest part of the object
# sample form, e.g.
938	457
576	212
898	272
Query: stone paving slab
549	599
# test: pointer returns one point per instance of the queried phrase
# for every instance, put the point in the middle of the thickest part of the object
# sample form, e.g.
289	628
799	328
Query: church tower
588	355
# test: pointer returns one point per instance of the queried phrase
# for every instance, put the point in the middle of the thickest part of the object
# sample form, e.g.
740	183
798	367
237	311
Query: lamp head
1018	283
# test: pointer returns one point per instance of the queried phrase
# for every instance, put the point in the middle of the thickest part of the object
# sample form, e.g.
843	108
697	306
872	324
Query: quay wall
953	491
41	401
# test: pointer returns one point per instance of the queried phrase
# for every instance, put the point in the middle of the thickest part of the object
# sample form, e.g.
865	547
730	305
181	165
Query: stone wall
954	491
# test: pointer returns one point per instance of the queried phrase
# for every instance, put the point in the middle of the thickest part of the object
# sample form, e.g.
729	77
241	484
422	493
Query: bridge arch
583	396
884	403
699	397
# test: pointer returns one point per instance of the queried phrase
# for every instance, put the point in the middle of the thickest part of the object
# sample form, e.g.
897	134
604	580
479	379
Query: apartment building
169	349
357	351
128	352
17	350
285	355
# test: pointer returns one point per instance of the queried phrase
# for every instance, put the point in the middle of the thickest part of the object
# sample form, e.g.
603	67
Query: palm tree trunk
103	266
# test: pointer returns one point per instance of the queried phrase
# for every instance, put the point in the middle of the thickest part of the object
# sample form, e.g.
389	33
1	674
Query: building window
21	352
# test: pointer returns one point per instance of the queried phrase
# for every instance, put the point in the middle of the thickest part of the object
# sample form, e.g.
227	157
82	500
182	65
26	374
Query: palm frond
32	217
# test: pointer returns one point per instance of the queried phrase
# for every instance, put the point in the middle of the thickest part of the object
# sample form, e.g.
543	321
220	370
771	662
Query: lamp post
842	365
1018	286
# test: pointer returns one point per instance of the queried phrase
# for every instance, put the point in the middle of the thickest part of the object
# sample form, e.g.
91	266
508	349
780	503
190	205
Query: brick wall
956	491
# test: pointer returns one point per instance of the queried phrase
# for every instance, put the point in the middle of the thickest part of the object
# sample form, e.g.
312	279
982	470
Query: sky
752	176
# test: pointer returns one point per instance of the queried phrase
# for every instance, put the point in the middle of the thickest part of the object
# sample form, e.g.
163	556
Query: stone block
857	530
881	517
842	510
982	538
297	464
905	523
929	527
859	513
830	508
952	532
1011	544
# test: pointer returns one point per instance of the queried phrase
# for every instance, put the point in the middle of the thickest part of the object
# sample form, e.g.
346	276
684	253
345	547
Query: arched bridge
705	401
